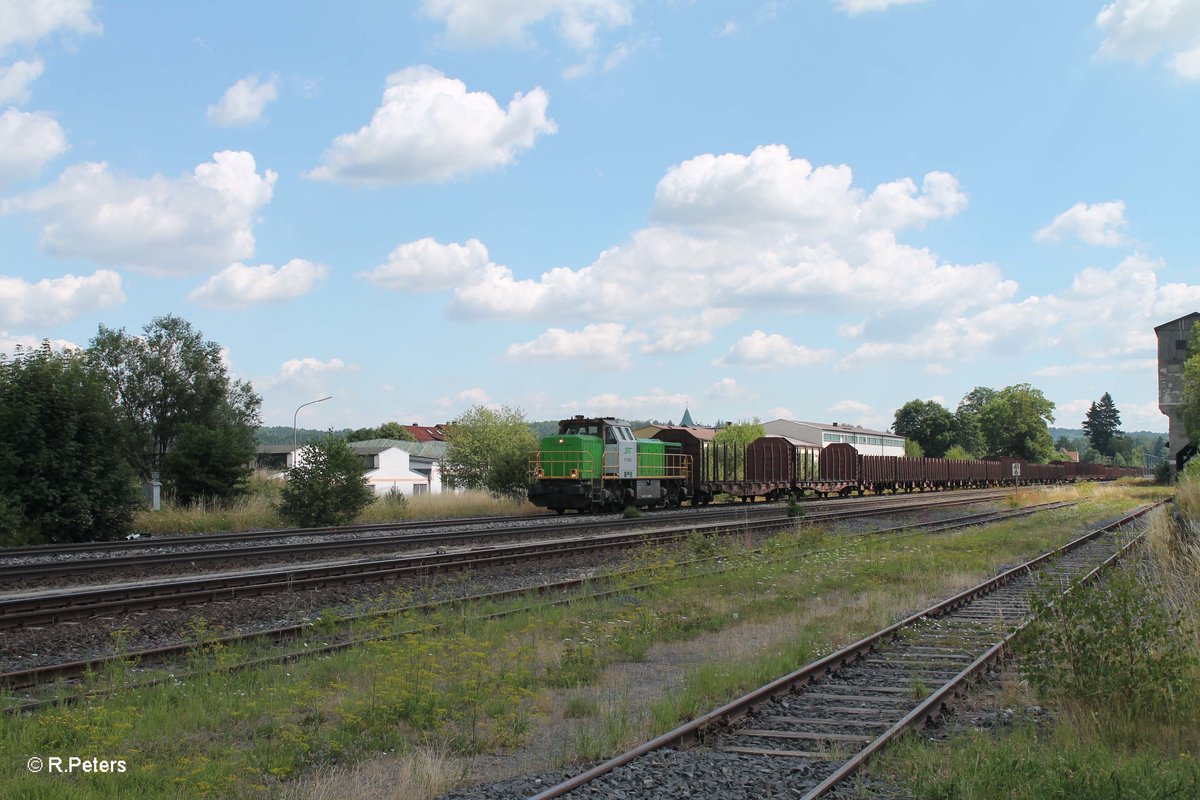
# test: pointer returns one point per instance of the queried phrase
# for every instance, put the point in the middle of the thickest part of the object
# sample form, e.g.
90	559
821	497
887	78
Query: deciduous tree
966	420
928	424
63	475
166	379
1015	423
488	449
327	486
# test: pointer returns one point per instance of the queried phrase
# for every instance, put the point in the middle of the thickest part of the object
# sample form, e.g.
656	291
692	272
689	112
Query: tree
735	436
1015	423
1189	409
388	430
166	379
928	424
394	430
488	449
61	478
327	487
209	463
958	453
1102	423
912	449
966	420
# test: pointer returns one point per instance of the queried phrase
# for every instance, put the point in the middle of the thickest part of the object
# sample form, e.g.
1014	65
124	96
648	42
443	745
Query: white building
411	468
865	440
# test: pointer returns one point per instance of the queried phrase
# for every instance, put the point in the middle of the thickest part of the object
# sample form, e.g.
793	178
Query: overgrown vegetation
460	685
1118	665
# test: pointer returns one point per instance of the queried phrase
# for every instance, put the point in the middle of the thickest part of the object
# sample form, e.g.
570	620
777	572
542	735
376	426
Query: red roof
425	433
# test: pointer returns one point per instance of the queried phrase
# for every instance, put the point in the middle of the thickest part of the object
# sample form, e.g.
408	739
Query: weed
1111	645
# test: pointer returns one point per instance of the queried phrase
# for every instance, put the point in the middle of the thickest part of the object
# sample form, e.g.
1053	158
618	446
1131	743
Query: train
597	464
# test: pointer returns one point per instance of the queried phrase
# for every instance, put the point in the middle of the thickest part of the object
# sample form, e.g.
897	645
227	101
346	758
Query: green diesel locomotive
598	465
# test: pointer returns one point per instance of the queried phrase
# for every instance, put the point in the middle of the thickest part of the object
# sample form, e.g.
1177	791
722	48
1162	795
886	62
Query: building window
420	488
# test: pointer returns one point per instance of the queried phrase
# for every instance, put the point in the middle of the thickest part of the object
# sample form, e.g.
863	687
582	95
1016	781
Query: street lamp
294	416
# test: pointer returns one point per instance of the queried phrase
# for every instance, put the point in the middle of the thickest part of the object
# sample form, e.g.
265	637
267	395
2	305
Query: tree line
80	429
1013	421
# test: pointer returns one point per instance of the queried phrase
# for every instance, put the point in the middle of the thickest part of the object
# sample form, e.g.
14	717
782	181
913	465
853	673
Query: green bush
327	486
1111	645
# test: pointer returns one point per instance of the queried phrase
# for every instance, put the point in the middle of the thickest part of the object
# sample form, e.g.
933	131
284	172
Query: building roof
418	449
839	427
273	448
427	433
686	420
1192	317
701	433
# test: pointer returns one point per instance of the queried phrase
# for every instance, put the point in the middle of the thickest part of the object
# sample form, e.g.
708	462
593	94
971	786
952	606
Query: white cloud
25	22
771	350
426	265
779	412
851	330
1146	365
900	204
1141	416
655	404
681	334
240	285
430	128
306	378
28	141
465	399
1098	224
482	23
1141	29
9	343
15	80
1103	314
604	344
852	407
853	7
157	225
757	231
244	101
53	301
727	389
937	369
621	52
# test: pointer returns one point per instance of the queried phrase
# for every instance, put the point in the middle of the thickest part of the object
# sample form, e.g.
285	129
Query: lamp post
294	416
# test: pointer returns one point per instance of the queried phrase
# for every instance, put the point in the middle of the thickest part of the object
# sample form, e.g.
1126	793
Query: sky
817	209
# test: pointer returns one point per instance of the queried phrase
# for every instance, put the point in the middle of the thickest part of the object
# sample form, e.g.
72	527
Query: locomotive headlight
574	473
540	473
560	441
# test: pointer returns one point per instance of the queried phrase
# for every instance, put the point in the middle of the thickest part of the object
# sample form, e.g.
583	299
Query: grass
257	510
435	699
1118	665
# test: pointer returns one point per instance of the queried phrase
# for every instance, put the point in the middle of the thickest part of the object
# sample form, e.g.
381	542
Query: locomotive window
609	436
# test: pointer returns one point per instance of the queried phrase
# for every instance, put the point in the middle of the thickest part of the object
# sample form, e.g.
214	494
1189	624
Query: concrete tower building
1174	339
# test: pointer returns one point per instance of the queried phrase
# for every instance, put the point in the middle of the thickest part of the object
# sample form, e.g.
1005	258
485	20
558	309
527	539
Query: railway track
41	608
46	562
804	733
48	674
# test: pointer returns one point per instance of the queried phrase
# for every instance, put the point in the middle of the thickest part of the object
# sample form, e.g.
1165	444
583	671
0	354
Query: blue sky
817	209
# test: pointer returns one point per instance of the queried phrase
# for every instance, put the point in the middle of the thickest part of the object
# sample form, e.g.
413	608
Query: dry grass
257	510
422	774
